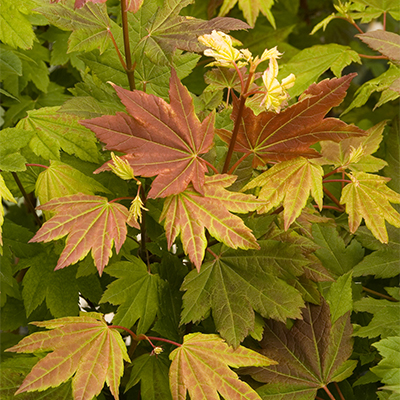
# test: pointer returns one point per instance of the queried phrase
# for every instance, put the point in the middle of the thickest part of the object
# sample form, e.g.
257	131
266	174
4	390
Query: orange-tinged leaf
368	197
290	134
188	213
160	139
201	367
91	223
84	348
290	183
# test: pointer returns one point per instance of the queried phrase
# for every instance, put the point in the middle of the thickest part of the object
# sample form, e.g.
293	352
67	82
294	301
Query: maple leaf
355	153
188	213
289	182
161	139
368	197
84	346
160	33
6	195
290	133
310	354
239	281
387	43
250	9
91	223
200	367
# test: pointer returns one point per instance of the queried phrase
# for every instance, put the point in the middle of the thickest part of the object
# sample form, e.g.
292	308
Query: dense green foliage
231	205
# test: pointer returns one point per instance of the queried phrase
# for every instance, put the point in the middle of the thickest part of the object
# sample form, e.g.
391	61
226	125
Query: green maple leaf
200	367
368	197
188	213
333	253
84	348
388	368
355	153
251	9
239	281
136	291
313	353
11	141
158	32
386	319
90	25
289	134
52	132
91	223
152	372
289	183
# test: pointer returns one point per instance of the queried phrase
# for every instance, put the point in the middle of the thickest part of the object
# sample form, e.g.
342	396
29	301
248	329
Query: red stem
330	395
121	59
337	180
37	165
373	57
212	253
211	166
384	21
164	340
353	23
130	68
384	296
240	77
121	198
339	391
241	159
329	207
335	171
333	198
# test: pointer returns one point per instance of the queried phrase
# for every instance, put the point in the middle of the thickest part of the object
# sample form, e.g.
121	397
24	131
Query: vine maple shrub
182	227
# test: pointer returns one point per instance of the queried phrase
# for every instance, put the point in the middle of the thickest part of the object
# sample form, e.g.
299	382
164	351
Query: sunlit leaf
201	367
82	217
83	348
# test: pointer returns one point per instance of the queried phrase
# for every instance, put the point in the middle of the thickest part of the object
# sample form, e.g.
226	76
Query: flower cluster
221	48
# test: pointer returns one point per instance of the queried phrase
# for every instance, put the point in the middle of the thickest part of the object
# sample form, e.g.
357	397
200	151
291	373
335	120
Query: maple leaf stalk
243	97
339	391
130	68
328	392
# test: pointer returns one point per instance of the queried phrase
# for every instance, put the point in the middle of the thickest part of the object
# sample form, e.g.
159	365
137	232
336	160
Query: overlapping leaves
201	367
161	139
290	134
238	282
81	217
189	212
81	347
310	355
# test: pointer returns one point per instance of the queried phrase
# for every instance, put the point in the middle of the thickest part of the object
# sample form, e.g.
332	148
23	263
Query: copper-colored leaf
188	213
309	354
201	366
84	348
91	223
160	138
387	43
290	134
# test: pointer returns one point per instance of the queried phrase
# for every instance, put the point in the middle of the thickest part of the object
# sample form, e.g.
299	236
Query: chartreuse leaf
53	132
201	367
161	139
382	264
15	28
368	197
10	64
89	24
12	373
355	153
388	368
289	183
91	223
309	64
290	133
188	213
386	319
250	9
81	346
152	372
136	293
380	84
381	5
309	355
61	179
11	140
238	282
158	37
5	194
333	253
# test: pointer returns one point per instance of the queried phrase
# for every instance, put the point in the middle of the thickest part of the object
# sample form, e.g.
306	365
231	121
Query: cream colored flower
271	53
121	168
222	49
135	210
277	95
